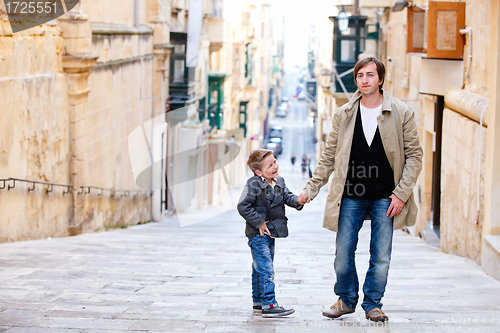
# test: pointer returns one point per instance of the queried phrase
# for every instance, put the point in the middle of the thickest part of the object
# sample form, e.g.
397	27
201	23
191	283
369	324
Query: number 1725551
31	7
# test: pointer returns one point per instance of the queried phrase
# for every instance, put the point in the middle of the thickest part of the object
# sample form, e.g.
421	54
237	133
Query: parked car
302	94
277	141
284	99
282	110
273	147
276	132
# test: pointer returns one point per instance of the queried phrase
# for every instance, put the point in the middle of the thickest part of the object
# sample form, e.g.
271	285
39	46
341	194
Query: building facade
102	105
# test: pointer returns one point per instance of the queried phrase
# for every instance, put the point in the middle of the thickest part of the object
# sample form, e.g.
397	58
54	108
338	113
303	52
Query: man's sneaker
277	311
257	307
376	315
338	309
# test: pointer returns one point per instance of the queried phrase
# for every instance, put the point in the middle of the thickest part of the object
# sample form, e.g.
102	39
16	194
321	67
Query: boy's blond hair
256	157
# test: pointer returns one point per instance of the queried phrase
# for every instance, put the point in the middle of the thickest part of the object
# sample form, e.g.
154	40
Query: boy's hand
263	229
303	199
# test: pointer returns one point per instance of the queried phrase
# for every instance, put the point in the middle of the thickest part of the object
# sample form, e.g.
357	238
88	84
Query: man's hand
303	199
263	229
395	207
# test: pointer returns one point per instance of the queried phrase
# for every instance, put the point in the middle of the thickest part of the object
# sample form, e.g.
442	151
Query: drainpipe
479	160
355	8
468	31
136	13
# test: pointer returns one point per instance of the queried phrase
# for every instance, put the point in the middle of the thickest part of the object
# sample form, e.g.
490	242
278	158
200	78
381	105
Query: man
375	155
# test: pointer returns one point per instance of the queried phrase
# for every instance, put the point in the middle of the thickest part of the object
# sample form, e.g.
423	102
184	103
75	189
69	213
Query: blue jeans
352	215
262	248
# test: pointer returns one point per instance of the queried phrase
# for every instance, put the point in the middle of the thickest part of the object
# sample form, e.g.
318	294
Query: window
214	96
180	74
180	48
179	70
443	39
245	18
348	50
444	24
416	28
249	64
217	8
236	59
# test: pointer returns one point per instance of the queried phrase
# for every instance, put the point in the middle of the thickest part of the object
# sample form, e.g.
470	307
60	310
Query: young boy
262	205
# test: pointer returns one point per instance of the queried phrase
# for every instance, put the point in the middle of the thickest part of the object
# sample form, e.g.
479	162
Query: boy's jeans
352	215
262	248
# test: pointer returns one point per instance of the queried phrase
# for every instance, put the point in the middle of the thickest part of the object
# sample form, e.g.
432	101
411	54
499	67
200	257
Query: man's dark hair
365	62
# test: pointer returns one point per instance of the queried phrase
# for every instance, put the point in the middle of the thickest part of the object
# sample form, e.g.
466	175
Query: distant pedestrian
262	205
309	166
304	165
292	159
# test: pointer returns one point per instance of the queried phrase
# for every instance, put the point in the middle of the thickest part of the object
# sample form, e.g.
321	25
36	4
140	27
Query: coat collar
352	105
263	183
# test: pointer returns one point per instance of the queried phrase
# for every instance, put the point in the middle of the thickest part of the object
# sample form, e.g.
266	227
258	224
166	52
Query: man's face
269	168
367	80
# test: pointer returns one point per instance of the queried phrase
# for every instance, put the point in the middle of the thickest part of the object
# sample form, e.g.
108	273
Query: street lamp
343	20
400	5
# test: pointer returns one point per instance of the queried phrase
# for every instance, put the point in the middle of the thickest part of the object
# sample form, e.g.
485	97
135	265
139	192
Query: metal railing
124	193
82	189
33	183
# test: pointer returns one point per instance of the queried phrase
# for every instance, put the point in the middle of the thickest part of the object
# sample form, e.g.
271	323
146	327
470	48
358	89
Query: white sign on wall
195	21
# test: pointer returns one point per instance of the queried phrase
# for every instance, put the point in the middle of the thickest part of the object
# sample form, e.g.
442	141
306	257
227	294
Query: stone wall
56	128
34	134
478	17
120	100
113	11
460	234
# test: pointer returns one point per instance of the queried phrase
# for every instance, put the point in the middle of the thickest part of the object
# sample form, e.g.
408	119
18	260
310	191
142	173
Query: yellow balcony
217	30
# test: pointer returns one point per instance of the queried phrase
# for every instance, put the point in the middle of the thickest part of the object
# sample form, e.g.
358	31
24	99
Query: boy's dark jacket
259	203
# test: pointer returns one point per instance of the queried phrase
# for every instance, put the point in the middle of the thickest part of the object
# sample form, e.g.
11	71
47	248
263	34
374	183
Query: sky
299	15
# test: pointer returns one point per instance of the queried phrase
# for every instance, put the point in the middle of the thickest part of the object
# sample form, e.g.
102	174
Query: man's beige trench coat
401	144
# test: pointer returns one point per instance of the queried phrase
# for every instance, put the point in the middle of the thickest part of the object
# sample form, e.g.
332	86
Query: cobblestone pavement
159	277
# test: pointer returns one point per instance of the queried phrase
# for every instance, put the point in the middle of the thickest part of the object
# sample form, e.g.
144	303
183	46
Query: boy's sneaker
277	311
257	307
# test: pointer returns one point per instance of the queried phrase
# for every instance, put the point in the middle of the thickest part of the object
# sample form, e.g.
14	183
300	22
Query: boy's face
269	168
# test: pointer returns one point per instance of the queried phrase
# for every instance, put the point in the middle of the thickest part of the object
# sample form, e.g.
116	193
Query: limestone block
28	55
146	44
5	28
161	34
491	256
467	103
77	113
78	129
460	234
76	46
77	166
75	28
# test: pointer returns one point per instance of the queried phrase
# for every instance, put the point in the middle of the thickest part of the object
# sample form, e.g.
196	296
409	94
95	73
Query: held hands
263	229
395	207
303	199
